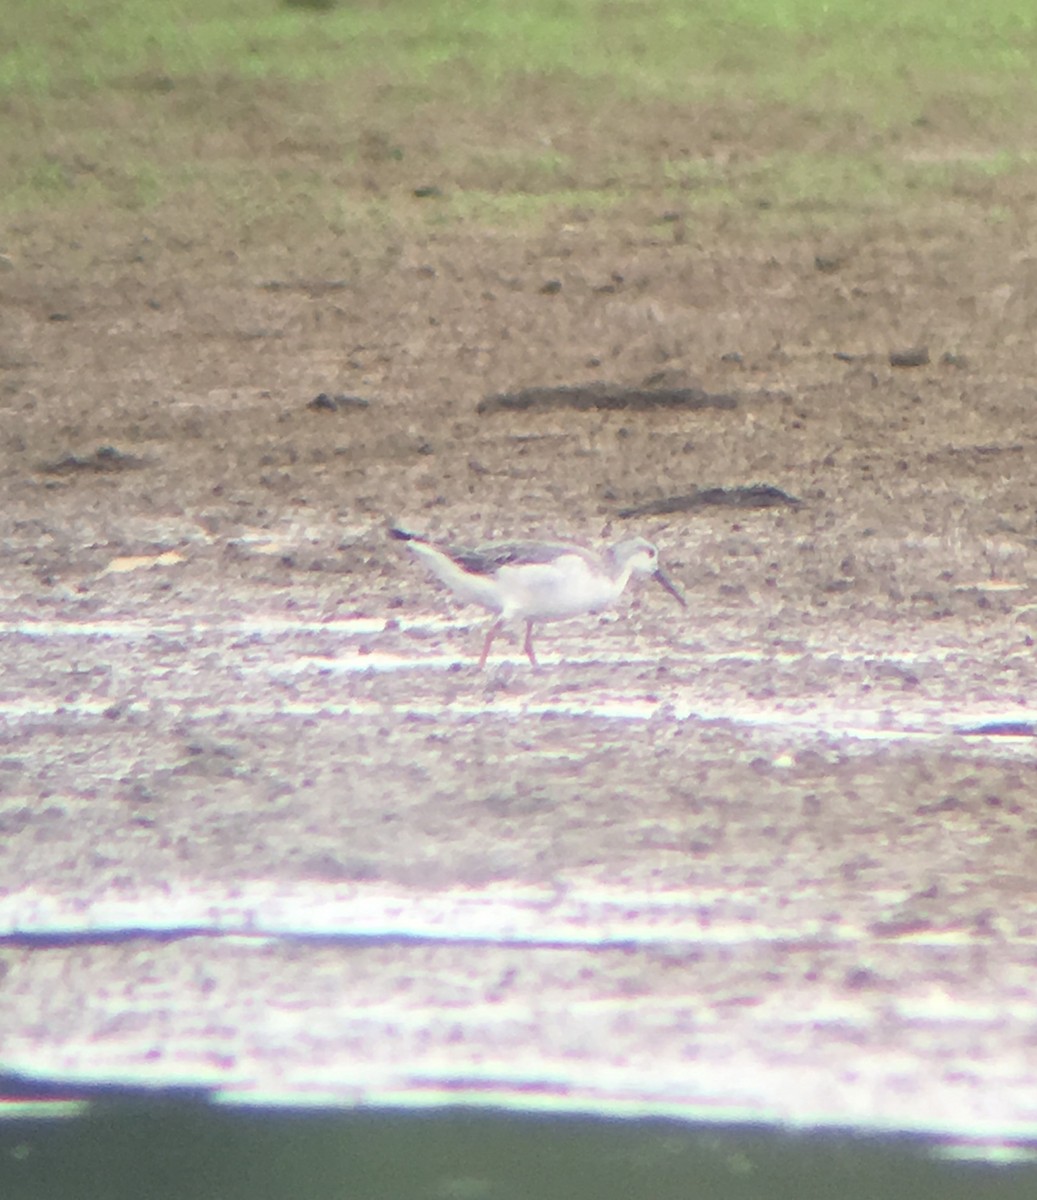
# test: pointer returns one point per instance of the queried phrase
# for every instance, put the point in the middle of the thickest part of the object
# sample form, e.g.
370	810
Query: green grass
123	103
520	208
842	182
875	56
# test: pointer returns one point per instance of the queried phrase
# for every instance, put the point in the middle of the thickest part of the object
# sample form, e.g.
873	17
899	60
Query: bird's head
642	558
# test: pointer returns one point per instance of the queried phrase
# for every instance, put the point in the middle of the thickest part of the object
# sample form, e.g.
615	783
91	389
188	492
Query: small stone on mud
861	977
916	356
337	403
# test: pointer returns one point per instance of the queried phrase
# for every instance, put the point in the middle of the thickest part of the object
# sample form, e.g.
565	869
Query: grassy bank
767	111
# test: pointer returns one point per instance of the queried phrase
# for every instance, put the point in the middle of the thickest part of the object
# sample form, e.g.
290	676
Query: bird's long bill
661	577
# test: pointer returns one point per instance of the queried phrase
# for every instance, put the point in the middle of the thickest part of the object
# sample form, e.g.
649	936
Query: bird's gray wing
485	560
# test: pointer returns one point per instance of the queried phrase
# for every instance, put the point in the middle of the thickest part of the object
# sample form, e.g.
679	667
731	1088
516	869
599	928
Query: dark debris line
756	495
104	460
604	397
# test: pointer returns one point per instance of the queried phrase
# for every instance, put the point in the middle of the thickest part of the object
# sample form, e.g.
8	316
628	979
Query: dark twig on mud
604	397
756	495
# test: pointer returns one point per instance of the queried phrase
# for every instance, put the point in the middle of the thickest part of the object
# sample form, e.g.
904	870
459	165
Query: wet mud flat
266	832
294	854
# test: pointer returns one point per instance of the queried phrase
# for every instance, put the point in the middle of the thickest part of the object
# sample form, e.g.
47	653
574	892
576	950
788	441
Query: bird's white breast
552	591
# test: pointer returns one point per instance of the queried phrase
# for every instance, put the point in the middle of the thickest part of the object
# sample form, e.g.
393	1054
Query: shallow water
118	1149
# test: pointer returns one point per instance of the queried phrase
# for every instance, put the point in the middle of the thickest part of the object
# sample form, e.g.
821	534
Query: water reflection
160	1149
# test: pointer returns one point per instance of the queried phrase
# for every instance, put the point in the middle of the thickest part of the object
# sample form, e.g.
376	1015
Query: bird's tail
404	535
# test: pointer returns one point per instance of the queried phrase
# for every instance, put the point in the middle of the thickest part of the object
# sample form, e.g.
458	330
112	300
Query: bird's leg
528	647
491	633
